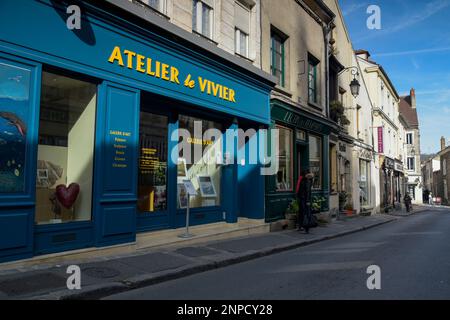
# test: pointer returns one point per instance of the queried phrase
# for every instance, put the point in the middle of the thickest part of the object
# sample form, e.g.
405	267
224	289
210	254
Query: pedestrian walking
407	200
305	216
430	199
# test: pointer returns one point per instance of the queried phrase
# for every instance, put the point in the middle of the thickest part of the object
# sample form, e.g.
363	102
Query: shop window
313	83
65	149
364	182
14	108
315	160
333	168
285	175
152	178
202	17
242	28
277	57
199	162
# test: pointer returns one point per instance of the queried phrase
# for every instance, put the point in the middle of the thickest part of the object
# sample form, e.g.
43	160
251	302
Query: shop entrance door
302	159
152	203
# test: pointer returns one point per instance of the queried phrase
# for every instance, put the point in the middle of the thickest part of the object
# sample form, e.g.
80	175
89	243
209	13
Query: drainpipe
326	35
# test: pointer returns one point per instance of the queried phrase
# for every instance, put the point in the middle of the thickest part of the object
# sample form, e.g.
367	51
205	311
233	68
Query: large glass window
364	182
201	142
315	160
14	108
65	150
285	175
277	57
152	178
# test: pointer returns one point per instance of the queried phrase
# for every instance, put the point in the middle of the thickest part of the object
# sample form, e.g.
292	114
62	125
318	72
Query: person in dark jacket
304	199
408	201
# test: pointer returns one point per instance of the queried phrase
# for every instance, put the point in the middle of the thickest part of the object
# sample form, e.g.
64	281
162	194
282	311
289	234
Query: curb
102	290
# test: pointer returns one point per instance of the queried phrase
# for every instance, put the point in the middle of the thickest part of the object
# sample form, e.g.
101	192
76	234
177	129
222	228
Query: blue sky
413	45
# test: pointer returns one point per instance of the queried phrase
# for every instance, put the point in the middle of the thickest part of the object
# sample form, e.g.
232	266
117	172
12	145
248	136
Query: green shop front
303	144
90	120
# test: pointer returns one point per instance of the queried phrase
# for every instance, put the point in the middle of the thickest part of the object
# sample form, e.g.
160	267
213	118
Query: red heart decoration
67	195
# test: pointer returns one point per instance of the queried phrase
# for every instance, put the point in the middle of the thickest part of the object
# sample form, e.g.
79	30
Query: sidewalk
103	276
416	209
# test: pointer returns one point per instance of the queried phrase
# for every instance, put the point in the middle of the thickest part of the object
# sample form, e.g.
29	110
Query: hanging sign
380	140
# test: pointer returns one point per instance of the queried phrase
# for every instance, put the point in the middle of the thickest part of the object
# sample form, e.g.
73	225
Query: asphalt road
413	254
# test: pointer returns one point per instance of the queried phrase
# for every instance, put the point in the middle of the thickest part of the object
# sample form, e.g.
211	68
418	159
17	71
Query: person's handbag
310	221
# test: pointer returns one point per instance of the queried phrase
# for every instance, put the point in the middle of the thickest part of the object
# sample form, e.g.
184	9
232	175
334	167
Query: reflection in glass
14	108
152	179
364	174
65	150
200	165
284	174
315	160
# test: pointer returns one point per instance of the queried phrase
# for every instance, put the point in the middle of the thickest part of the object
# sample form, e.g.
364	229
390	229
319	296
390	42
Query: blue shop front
89	122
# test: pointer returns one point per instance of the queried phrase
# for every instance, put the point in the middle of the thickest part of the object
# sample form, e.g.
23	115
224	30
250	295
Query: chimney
413	98
364	54
442	143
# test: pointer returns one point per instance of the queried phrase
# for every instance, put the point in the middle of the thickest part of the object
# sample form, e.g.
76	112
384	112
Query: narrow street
413	254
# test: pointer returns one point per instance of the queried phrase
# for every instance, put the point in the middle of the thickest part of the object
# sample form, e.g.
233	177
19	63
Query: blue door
19	89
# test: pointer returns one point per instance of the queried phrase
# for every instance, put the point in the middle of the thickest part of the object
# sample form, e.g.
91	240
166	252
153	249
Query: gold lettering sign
157	69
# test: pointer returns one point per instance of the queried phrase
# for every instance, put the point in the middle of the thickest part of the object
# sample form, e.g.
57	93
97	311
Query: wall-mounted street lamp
354	84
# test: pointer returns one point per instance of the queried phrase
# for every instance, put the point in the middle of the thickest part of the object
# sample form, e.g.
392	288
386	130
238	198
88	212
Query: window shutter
242	17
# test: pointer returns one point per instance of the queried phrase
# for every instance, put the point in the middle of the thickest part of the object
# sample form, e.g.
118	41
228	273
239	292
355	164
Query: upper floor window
409	138
313	90
242	28
277	57
411	164
159	5
202	17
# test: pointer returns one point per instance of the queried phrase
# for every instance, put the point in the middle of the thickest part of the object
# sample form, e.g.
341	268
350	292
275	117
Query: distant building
411	146
431	170
387	132
444	182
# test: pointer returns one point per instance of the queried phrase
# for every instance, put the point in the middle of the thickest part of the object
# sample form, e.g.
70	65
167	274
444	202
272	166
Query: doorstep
144	241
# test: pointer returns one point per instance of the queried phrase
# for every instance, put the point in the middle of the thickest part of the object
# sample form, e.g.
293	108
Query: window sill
150	8
315	105
244	57
205	37
283	90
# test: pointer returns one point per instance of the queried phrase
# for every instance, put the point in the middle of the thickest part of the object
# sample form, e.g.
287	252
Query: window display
364	174
315	160
65	150
152	179
199	163
284	175
14	108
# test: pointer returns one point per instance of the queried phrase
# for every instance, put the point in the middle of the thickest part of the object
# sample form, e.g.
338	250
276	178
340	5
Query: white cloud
411	52
353	7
